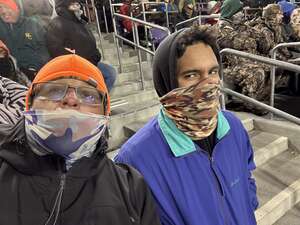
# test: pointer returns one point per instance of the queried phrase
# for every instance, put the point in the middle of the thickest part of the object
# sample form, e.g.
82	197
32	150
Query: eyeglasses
56	92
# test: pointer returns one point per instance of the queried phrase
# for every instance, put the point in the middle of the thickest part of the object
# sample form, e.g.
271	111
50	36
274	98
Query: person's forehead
199	50
72	81
5	7
296	14
199	56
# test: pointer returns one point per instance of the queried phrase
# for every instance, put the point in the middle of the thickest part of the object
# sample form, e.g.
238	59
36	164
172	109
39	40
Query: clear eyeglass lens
51	91
89	95
56	92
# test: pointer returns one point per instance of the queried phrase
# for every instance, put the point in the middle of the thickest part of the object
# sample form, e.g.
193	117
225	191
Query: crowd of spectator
32	33
55	108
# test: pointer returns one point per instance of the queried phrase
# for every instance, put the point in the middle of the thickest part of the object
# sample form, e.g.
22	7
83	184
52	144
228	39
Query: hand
4	51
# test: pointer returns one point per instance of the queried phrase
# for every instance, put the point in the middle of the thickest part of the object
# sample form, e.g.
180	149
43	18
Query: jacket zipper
220	190
218	184
57	204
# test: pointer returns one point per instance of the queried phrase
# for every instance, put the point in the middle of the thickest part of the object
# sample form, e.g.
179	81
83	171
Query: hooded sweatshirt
26	41
165	80
66	31
230	7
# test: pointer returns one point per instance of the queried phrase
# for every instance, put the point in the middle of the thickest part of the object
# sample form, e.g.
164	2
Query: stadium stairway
276	143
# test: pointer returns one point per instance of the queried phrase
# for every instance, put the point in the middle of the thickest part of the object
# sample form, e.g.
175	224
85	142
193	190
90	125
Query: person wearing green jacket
230	8
24	37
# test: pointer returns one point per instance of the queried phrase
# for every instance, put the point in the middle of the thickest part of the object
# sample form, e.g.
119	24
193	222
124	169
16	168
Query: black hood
61	7
165	63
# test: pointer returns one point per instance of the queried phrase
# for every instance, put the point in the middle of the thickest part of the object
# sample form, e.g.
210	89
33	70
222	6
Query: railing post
114	36
139	56
272	78
133	31
167	14
88	11
221	74
105	19
145	19
98	28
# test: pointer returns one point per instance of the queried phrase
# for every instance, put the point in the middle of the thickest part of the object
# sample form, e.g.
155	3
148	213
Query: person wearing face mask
196	158
53	166
68	32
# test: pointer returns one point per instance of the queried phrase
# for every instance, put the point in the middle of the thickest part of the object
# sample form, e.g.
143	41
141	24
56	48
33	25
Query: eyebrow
216	67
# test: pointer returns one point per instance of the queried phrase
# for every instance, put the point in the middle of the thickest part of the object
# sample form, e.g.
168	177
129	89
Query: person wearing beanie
24	37
287	9
69	31
196	158
53	163
229	8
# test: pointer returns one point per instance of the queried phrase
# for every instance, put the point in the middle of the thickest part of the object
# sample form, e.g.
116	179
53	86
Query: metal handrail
266	60
273	68
197	18
135	33
142	22
105	19
271	109
98	28
167	12
144	12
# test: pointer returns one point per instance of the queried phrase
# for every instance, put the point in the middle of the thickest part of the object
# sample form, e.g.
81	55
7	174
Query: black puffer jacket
66	31
94	191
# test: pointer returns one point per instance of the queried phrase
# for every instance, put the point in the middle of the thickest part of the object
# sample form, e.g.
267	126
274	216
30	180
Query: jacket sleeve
40	45
55	38
12	101
142	199
251	166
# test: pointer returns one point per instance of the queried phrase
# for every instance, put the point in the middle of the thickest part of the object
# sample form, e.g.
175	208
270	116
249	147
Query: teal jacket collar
179	142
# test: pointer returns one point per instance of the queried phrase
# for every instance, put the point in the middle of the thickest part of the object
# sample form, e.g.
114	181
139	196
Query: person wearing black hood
68	32
196	158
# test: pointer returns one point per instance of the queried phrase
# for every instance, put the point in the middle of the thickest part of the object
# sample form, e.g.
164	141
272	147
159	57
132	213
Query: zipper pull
63	180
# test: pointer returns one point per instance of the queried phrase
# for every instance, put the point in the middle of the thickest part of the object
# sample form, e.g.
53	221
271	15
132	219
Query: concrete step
113	59
292	217
127	114
267	146
246	119
278	186
132	128
135	98
132	76
129	87
132	67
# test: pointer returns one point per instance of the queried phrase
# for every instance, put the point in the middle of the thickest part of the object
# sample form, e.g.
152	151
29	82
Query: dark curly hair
197	34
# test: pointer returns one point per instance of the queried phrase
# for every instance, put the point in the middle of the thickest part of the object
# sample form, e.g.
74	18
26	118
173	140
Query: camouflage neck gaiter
194	109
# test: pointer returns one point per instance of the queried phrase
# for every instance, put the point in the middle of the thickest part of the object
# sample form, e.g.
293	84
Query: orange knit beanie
70	66
11	4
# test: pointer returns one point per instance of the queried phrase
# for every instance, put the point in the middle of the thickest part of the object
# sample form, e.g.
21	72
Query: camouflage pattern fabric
194	109
247	76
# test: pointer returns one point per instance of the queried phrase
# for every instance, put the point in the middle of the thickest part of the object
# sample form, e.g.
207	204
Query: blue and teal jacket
191	187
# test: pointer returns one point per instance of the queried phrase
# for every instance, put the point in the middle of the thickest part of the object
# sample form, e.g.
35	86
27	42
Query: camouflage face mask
194	109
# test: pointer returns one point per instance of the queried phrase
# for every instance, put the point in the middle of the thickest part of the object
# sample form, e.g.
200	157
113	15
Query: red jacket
127	24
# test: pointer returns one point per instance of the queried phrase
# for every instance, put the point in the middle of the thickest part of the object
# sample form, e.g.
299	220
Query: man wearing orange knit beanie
24	37
53	166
